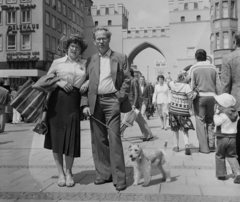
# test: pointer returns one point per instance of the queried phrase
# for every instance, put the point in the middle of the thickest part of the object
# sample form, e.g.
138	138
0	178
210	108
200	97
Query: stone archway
140	48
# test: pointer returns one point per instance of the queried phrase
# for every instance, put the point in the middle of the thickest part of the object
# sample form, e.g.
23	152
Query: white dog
143	160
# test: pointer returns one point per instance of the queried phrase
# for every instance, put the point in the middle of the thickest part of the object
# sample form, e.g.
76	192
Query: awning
17	73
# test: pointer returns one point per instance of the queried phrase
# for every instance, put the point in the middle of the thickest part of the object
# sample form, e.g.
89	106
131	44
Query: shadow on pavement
6	142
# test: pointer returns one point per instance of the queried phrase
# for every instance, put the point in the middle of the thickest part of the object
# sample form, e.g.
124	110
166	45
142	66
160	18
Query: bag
46	83
41	128
29	102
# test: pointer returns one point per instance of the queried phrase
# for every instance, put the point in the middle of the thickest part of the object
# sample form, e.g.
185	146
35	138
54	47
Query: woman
63	115
161	99
16	115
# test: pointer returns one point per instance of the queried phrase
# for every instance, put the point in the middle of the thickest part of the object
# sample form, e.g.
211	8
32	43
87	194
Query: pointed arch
139	49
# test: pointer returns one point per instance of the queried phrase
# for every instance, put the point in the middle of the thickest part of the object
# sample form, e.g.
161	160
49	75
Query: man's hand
64	85
84	87
86	111
133	107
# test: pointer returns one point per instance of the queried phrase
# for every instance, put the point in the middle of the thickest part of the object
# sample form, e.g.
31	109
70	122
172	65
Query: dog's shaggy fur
143	160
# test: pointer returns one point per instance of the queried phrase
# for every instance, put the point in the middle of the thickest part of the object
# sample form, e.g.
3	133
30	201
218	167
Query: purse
41	128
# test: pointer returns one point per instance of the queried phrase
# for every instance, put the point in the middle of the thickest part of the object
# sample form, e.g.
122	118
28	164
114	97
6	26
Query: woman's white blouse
73	72
161	94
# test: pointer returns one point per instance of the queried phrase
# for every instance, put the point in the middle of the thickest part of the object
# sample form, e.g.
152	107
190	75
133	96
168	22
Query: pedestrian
204	80
4	100
109	85
16	118
161	100
145	97
63	114
133	97
179	117
226	119
230	78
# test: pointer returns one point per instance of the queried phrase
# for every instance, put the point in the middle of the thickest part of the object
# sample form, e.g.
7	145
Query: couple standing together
100	86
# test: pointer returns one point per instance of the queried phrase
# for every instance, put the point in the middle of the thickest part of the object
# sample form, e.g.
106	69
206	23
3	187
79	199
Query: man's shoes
187	150
145	139
121	187
149	138
101	181
212	149
222	178
237	178
176	149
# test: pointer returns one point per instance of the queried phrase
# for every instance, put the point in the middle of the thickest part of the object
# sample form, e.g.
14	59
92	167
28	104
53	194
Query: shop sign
22	28
21	6
23	56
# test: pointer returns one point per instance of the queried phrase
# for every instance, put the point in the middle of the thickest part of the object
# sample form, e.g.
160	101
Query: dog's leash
91	116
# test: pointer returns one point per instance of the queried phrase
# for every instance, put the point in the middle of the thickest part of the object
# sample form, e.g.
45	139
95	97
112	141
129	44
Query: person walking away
16	118
133	97
204	80
179	116
161	99
226	119
4	100
63	114
230	78
107	97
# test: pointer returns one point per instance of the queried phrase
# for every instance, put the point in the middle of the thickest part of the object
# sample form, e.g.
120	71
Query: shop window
73	16
64	28
64	10
96	23
47	22
47	2
78	4
26	16
11	42
25	41
109	22
59	25
217	11
233	9
182	19
53	44
225	40
54	4
218	41
82	5
69	14
198	18
53	22
47	42
1	42
69	30
11	17
225	9
11	1
59	8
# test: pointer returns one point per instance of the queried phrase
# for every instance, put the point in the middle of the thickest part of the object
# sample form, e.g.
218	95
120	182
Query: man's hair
201	55
237	38
131	72
160	76
1	82
108	33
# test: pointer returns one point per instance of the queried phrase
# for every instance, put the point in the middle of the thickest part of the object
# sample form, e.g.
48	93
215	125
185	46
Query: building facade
30	32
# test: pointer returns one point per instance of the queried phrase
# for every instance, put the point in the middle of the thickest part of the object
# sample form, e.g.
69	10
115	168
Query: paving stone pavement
28	172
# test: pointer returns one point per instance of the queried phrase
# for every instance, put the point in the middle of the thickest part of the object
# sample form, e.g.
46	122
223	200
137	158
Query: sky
144	13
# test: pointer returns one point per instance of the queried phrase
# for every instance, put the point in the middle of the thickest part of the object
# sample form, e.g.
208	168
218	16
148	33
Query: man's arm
136	92
84	96
226	76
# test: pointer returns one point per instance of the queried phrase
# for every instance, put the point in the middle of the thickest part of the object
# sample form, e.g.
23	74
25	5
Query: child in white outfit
226	119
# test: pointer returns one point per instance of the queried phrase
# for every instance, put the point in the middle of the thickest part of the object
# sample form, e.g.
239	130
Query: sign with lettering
22	28
21	6
23	56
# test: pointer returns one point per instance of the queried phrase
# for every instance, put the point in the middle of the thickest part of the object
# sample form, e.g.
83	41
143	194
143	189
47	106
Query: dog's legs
137	176
164	168
147	174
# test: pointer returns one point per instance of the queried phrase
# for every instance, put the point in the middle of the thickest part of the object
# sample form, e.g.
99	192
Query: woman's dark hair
201	55
160	76
14	86
237	38
131	72
1	82
76	40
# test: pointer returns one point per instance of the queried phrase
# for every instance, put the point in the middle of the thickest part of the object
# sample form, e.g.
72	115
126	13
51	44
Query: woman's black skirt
178	122
63	116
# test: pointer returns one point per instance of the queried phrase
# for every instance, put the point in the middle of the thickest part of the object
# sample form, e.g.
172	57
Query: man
230	78
145	97
205	81
109	82
4	100
133	97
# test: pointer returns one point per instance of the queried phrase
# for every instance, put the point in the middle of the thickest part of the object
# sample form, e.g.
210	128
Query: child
226	119
179	116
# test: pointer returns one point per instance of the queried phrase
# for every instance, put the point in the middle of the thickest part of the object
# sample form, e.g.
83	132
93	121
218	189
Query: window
1	42
218	40
59	25
225	9
11	1
186	6
69	14
217	11
191	52
225	40
74	2
53	22
78	4
47	42
233	10
26	16
11	17
64	10
25	1
47	19
81	6
74	31
198	17
96	23
182	19
212	43
73	16
47	2
81	21
0	17
59	6
53	44
54	4
11	42
64	28
59	45
109	22
78	20
233	35
195	5
1	1
69	30
211	11
26	41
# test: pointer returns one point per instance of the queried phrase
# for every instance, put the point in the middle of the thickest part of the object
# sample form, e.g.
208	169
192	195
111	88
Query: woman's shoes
61	182
187	150
176	149
69	181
